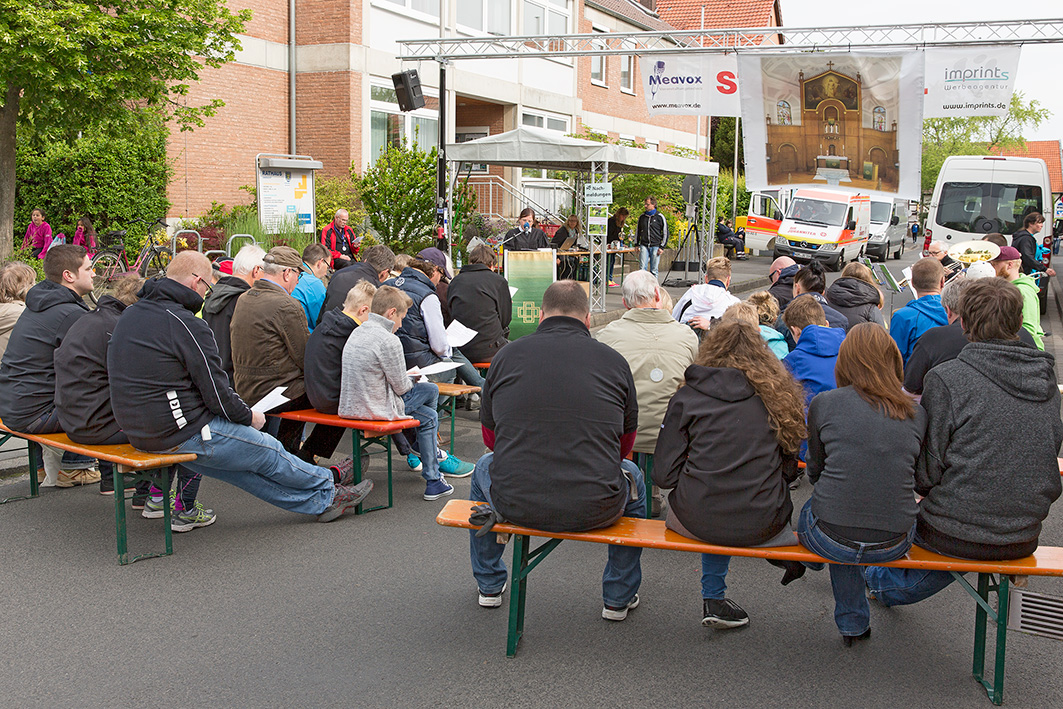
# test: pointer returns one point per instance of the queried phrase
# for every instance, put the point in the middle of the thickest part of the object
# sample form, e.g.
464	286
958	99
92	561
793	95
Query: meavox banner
976	81
691	85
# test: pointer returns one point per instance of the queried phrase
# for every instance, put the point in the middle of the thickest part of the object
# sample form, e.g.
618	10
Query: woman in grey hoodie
856	296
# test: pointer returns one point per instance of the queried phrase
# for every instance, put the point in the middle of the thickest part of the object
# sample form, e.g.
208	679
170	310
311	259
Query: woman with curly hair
863	441
727	449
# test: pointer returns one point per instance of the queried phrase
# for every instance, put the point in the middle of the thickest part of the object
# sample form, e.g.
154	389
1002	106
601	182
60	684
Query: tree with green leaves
66	64
399	195
943	137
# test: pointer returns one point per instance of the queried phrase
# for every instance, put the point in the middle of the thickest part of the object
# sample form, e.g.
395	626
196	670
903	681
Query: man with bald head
559	436
781	274
170	394
340	240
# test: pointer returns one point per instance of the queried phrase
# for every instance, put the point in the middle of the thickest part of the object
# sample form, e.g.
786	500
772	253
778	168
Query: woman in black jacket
479	299
856	296
727	438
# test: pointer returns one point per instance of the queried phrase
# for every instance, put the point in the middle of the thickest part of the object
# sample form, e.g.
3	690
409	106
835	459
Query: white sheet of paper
458	334
271	401
512	291
436	368
907	273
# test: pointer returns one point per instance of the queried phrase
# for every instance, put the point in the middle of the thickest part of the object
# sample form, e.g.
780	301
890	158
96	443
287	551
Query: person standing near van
651	235
1024	240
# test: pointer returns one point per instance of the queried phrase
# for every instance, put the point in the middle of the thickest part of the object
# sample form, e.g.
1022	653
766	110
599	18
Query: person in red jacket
340	240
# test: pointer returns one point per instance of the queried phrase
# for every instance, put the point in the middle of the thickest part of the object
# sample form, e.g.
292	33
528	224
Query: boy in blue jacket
910	322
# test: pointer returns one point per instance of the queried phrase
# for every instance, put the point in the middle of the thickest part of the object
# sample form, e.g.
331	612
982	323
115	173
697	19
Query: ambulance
824	225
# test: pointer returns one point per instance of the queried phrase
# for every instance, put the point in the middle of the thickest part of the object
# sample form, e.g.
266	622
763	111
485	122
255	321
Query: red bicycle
110	263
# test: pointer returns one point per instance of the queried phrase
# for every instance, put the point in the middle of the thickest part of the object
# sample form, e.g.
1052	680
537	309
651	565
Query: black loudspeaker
408	90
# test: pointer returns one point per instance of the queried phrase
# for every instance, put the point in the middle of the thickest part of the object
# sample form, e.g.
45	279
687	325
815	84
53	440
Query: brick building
345	110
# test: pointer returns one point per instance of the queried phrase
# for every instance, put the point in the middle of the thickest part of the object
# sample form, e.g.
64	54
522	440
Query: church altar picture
832	119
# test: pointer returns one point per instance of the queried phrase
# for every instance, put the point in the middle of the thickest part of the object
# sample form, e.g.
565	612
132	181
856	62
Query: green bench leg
120	497
524	560
358	446
35	486
983	613
453	403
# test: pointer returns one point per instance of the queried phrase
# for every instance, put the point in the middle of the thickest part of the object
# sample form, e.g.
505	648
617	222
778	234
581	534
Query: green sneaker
153	506
187	520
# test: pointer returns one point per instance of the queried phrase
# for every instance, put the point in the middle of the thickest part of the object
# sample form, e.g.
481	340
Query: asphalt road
268	609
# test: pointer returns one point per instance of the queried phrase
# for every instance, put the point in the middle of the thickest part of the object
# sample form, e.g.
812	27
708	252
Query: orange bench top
121	454
369	426
652	534
457	389
487	365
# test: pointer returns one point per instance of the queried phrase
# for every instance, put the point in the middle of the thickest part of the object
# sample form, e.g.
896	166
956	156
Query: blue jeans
900	587
623	572
648	258
851	612
466	372
257	463
421	405
714	575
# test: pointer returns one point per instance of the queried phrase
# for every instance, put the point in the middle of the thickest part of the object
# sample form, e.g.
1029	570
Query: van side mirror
895	220
851	225
777	215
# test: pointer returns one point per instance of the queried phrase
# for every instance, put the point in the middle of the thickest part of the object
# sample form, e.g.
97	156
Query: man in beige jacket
658	349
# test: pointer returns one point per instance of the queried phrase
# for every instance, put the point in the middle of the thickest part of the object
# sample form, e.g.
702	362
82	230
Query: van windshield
815	211
880	212
984	207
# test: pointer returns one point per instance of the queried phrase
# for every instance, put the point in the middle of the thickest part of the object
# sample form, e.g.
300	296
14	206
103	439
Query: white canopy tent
549	150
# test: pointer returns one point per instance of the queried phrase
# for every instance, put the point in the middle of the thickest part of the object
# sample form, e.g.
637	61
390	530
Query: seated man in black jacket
560	436
170	395
221	301
27	371
375	268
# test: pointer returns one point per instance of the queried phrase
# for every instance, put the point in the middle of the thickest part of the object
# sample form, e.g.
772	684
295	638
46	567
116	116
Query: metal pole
734	173
291	76
441	164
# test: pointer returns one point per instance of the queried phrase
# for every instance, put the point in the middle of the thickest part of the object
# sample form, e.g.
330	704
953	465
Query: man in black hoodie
988	471
781	274
220	304
27	371
170	394
375	267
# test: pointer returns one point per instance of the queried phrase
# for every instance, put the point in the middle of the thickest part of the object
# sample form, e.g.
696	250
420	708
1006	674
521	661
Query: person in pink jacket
85	235
38	234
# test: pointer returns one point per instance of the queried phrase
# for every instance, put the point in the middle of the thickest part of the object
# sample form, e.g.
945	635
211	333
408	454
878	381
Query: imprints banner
530	273
691	85
839	120
976	81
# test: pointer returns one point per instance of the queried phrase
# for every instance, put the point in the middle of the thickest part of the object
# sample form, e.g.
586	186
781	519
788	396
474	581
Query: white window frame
404	8
545	116
484	32
604	81
393	109
630	60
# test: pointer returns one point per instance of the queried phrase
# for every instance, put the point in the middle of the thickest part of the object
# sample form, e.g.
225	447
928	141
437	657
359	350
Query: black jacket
517	240
717	450
1026	243
342	282
937	345
218	314
651	230
323	362
27	372
165	372
783	289
557	431
479	298
855	299
82	395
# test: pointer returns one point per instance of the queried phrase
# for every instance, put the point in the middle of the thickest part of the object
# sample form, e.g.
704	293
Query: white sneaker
619	614
493	600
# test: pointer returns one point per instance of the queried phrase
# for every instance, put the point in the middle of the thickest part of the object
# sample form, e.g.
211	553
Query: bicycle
111	263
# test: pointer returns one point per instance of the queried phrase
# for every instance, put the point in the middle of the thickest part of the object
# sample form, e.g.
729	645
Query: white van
889	228
824	225
977	195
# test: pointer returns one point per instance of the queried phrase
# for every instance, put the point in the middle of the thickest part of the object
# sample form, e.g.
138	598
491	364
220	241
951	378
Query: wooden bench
373	431
128	461
652	534
454	391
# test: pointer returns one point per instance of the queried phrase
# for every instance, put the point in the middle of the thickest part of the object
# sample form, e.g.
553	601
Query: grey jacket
374	373
988	468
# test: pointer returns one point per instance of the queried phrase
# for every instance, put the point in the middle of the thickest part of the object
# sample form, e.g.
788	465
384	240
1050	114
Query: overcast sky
1035	76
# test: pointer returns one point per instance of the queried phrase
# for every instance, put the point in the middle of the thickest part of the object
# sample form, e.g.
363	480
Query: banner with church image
849	121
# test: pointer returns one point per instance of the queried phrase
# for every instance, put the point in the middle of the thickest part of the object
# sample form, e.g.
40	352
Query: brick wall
328	119
269	18
327	21
211	163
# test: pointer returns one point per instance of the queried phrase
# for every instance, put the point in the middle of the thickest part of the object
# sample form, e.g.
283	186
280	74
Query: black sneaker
345	500
723	613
